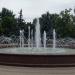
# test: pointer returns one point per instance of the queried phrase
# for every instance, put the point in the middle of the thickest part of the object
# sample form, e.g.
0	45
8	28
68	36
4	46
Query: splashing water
29	37
21	38
44	39
37	35
54	39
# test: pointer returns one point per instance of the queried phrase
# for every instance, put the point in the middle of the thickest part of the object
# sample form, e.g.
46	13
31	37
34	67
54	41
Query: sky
35	8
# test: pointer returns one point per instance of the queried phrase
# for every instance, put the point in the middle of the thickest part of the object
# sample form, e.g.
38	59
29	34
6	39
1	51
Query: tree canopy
63	23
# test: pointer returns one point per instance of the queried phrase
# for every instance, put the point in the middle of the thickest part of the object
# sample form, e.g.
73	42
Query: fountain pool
38	51
34	57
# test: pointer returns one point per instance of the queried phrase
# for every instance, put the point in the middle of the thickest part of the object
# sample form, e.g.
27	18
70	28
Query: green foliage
21	21
63	23
7	22
46	24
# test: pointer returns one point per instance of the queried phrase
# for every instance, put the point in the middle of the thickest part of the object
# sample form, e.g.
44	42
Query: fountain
32	38
21	38
29	36
44	39
37	35
37	56
54	39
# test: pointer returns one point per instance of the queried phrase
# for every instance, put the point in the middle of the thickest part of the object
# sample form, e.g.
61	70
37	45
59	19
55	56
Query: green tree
65	24
46	24
8	22
21	21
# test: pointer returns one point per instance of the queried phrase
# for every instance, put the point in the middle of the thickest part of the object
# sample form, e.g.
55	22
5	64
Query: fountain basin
40	58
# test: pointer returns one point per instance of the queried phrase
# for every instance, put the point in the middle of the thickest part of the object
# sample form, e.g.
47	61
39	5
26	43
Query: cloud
34	8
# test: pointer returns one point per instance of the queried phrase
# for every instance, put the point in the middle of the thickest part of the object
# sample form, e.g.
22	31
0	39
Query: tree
46	24
65	24
8	22
21	21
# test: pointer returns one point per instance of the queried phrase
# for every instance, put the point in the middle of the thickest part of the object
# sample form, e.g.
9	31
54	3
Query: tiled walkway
9	70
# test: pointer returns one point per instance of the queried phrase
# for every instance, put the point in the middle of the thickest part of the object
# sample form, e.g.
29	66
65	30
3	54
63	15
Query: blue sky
34	8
